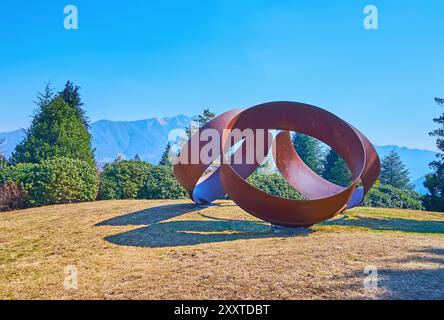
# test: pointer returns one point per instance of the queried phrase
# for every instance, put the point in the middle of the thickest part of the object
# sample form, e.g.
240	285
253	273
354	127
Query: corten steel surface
324	199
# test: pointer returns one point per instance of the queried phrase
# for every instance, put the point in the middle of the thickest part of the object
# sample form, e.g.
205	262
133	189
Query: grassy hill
175	249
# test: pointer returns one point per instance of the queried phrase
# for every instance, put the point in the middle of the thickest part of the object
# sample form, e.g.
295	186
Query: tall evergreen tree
435	181
44	98
394	172
310	151
336	169
71	95
56	130
137	158
165	160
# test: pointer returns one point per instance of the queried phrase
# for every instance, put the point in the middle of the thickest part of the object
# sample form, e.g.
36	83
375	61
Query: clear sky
142	59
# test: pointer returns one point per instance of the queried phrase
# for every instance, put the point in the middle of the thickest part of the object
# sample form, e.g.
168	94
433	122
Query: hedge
123	179
133	179
386	196
274	184
54	181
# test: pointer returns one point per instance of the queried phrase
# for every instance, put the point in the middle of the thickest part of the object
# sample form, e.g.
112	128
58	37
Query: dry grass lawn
177	250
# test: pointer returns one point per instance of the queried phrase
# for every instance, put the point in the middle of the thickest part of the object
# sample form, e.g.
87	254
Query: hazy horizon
188	116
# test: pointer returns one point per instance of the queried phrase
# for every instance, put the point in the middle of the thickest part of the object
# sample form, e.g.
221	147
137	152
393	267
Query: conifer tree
435	181
57	130
71	95
44	98
165	160
394	172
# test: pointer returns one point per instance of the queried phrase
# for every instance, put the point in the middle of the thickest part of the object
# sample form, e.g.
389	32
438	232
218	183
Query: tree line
55	164
55	161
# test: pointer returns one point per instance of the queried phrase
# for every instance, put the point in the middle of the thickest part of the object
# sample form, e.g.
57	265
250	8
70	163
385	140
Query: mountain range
148	138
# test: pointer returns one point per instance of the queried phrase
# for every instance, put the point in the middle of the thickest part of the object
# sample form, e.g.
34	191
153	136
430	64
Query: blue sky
142	59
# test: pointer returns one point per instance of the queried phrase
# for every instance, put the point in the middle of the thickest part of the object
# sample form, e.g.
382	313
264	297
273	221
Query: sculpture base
288	232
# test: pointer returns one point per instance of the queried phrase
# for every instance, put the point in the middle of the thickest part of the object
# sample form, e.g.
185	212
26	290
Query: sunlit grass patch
136	249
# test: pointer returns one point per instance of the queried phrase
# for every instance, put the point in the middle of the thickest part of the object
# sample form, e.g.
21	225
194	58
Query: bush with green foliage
274	184
54	181
386	196
131	179
123	179
160	183
433	203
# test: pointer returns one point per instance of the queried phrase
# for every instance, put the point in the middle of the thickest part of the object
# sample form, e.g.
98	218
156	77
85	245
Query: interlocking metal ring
324	199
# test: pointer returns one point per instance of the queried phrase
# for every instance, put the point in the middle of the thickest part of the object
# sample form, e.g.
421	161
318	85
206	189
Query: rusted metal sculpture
324	199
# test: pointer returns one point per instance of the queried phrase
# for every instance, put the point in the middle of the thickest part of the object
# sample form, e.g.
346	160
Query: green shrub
274	184
433	203
161	184
123	179
386	196
138	180
54	181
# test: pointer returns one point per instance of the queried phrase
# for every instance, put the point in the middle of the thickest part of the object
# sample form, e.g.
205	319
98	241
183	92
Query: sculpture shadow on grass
435	256
153	215
389	224
160	233
420	281
424	282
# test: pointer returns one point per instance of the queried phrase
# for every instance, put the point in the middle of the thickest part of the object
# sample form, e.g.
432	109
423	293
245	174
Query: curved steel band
324	199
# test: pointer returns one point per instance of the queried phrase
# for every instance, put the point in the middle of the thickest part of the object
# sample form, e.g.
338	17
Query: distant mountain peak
405	148
162	121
